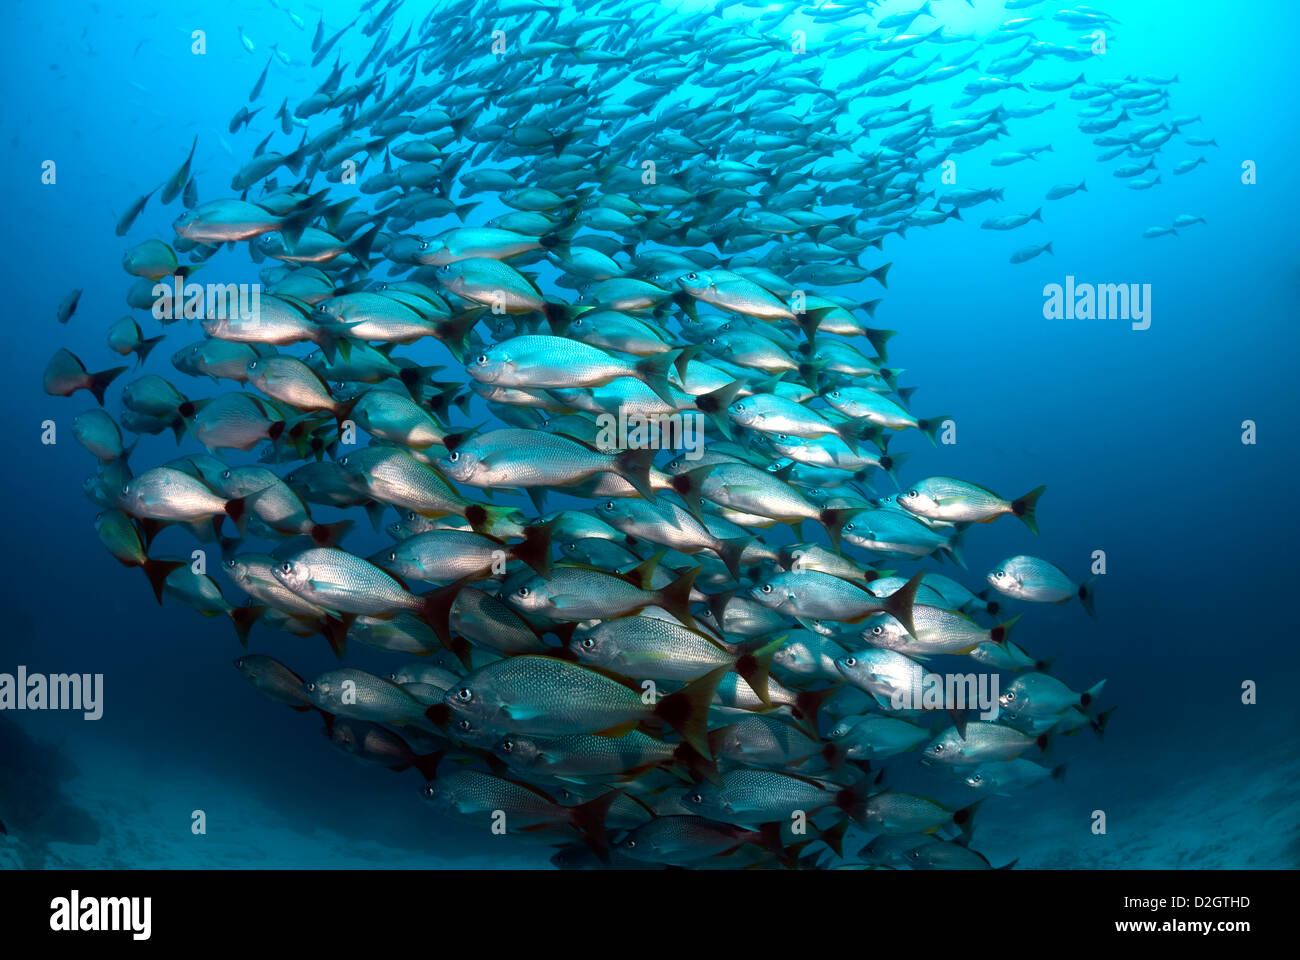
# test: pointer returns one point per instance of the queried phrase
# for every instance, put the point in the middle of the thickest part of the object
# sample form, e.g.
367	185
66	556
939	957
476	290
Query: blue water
1137	435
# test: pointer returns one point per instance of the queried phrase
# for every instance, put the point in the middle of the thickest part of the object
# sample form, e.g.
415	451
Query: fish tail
243	618
991	607
1087	596
236	510
754	667
688	485
428	764
535	549
99	382
335	632
653	372
1023	508
833	521
1088	699
877	338
808	704
435	608
634	467
328	341
455	330
964	818
930	427
343	411
899	603
157	571
589	820
1099	724
880	273
730	552
329	534
483	517
687	710
954	548
360	246
1002	632
833	836
852	432
676	597
890	462
714	405
810	320
293	224
145	347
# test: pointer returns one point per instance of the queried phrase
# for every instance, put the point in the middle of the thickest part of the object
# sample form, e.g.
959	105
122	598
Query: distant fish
1031	251
176	182
124	222
68	305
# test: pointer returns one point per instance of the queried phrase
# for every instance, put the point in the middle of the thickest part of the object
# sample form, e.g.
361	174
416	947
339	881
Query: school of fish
692	658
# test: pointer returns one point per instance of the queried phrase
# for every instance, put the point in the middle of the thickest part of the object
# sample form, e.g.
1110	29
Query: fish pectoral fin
620	730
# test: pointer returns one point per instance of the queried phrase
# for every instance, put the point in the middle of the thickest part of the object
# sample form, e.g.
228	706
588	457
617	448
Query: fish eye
344	461
523	591
392	677
588	643
424	244
428	790
938	748
713	341
850	661
225	474
692	276
835	394
125	488
311	687
999	574
975	778
697	798
464	694
630	844
231	563
849	525
1011	695
767	588
913	493
609	504
410	514
482	359
453	456
252	364
877	630
507	746
392	556
286	567
573	546
463	725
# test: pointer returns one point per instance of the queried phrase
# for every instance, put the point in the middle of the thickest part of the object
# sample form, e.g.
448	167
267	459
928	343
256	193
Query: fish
68	305
474	295
65	374
1029	578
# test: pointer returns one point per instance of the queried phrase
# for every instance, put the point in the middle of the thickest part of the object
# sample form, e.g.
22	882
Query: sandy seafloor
1241	816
